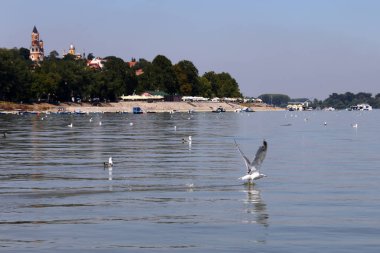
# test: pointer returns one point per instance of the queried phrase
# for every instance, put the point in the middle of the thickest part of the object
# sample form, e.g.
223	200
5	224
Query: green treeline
343	101
338	101
60	79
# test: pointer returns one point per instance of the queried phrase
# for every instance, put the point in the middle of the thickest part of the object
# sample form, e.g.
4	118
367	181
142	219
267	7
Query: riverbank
155	107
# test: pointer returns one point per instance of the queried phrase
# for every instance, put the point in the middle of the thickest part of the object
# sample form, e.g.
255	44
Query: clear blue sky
301	48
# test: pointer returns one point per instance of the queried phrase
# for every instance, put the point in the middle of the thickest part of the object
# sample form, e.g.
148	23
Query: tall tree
187	76
164	78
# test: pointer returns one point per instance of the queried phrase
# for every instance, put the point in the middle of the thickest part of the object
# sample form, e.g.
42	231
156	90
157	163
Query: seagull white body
253	166
188	140
355	125
71	125
108	165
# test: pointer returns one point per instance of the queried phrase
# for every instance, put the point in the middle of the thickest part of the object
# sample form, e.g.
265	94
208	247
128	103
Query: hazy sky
301	48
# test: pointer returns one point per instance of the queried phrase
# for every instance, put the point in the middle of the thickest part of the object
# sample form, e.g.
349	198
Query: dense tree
90	56
25	53
53	54
205	88
66	78
275	99
187	76
222	85
15	76
342	101
164	78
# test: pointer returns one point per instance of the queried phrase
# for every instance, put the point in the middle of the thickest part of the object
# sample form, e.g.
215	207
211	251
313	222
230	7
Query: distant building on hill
132	64
96	63
73	53
36	47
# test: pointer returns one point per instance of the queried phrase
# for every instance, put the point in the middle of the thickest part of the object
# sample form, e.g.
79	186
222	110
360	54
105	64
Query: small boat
247	109
219	109
360	107
137	110
79	112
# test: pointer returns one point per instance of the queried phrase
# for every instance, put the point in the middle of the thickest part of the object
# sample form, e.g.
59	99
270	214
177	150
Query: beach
154	107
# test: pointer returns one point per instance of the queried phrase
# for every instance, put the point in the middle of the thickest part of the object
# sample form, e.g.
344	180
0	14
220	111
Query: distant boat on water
219	109
360	107
244	109
137	110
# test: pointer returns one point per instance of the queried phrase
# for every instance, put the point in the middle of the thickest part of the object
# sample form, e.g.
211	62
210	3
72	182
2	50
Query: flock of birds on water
253	172
253	166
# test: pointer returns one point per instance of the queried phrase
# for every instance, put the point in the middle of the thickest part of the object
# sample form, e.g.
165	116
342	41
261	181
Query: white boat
244	109
361	107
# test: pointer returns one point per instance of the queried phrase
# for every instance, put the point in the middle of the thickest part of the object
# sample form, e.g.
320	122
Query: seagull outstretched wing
260	155
246	160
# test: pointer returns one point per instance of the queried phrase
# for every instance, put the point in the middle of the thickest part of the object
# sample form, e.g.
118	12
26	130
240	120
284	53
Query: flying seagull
108	165
253	167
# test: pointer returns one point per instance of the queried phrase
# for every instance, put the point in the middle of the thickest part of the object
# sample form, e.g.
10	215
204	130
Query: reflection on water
167	195
110	174
255	206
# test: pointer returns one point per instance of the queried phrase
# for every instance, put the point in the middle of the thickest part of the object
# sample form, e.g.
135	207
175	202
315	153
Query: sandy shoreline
127	107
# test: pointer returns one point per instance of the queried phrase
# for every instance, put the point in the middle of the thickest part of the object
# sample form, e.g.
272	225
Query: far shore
127	107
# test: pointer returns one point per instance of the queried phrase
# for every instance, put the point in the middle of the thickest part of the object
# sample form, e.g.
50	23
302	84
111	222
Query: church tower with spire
37	47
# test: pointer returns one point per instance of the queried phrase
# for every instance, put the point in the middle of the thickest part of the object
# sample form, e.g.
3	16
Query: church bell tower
37	47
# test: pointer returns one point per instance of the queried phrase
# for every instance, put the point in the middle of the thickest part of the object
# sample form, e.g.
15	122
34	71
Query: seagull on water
108	164
188	140
354	125
253	172
71	125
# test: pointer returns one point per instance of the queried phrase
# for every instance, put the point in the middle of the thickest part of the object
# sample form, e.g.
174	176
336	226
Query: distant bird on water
108	164
253	167
188	140
71	125
354	125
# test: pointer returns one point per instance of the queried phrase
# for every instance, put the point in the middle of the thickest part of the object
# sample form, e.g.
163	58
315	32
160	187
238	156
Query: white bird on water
108	165
71	125
188	140
354	125
253	167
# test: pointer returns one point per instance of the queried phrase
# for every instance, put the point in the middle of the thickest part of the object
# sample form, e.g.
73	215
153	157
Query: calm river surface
322	193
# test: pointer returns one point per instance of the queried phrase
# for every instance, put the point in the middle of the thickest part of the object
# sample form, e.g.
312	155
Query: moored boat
219	109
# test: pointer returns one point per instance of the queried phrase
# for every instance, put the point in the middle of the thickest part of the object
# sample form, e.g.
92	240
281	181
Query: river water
321	192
